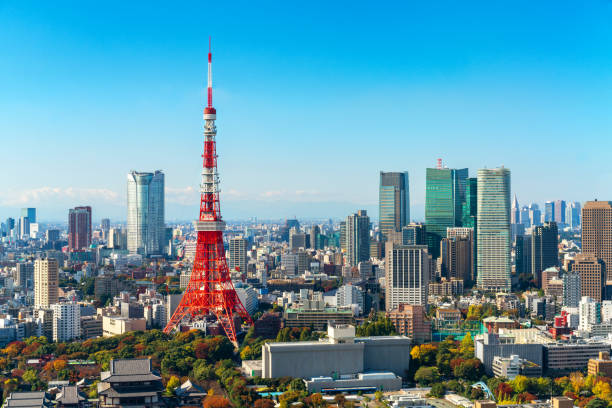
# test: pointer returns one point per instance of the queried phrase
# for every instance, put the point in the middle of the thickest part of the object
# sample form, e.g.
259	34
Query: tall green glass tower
470	205
444	197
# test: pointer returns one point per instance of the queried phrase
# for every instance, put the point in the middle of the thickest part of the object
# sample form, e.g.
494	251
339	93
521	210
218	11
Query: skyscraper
24	277
46	282
525	220
572	215
515	213
79	228
459	257
560	212
237	253
571	289
544	249
493	229
357	237
470	204
535	215
30	213
414	234
105	226
444	198
66	321
393	202
549	211
407	270
522	254
145	226
597	232
592	275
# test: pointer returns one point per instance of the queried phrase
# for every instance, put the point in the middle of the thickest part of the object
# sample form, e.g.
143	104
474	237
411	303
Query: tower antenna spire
210	105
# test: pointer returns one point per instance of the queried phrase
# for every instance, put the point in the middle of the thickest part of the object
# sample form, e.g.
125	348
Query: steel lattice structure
210	289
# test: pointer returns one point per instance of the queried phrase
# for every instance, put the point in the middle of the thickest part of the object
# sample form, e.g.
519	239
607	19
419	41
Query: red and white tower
210	289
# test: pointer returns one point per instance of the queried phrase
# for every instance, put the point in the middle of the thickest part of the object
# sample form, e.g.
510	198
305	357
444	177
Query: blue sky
313	100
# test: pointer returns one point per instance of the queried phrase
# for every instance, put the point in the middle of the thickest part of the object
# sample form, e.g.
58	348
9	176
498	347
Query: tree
316	400
437	390
29	376
173	383
427	375
378	396
471	370
264	403
297	384
476	393
602	390
340	400
216	401
597	403
466	348
520	384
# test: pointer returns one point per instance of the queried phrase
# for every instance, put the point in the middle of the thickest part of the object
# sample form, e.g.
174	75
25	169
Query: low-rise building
510	367
115	325
411	321
601	365
342	356
568	357
130	382
316	316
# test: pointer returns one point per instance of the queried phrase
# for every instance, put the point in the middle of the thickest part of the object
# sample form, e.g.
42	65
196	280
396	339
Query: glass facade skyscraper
493	230
357	237
30	213
393	202
145	226
444	197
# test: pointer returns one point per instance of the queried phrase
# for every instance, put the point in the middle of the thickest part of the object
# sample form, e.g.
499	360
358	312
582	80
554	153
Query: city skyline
530	85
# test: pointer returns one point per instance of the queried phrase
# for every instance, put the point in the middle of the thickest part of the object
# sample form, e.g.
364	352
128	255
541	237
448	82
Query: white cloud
42	195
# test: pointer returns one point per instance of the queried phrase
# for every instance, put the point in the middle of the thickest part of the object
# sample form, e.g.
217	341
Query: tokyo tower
210	290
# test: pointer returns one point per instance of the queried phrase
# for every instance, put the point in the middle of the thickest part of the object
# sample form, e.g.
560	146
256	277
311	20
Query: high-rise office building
493	230
525	220
522	254
30	213
535	215
414	234
46	280
572	215
79	228
145	226
297	240
237	253
560	212
117	238
393	202
105	227
571	289
515	212
470	205
597	232
357	237
66	321
407	272
549	211
457	250
316	240
592	275
24	227
24	275
544	249
444	198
